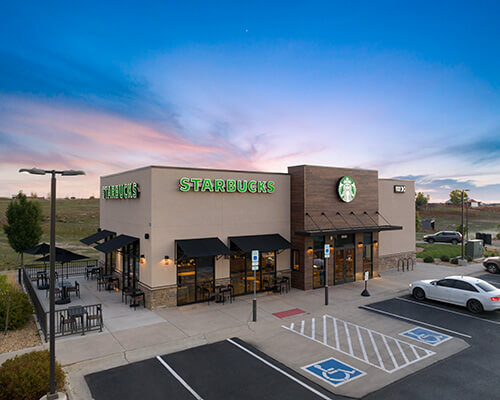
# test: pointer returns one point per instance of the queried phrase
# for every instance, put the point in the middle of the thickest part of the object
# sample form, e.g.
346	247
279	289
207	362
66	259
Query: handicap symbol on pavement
333	371
426	336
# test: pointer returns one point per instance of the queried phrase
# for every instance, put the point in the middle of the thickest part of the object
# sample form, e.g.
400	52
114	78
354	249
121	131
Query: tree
456	197
421	200
417	222
23	227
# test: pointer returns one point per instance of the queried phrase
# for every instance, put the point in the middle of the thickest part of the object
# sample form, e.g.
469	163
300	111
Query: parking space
230	369
470	374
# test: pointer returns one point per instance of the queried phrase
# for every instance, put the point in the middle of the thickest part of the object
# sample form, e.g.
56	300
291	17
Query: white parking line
414	320
354	334
449	311
280	370
177	376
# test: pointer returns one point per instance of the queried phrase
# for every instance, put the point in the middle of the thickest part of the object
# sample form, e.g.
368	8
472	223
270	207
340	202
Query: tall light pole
52	276
463	226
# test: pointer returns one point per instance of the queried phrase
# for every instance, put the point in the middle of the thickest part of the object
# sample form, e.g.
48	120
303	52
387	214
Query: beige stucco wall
398	209
188	215
130	216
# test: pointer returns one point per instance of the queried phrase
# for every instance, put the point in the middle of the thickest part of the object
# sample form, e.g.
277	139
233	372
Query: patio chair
231	287
95	316
101	282
127	292
74	289
57	291
67	321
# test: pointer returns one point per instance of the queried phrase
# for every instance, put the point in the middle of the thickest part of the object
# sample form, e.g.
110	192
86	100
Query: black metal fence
79	320
73	268
41	314
68	321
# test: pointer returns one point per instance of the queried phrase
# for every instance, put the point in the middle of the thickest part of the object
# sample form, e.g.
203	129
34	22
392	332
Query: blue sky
410	90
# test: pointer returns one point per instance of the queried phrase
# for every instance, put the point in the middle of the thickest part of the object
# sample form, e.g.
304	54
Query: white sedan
475	294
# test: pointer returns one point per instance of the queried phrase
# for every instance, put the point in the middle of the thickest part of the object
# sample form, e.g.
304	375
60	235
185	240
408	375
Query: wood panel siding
313	190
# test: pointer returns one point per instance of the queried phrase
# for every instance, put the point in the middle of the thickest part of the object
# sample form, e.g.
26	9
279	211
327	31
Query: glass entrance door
195	276
344	265
318	269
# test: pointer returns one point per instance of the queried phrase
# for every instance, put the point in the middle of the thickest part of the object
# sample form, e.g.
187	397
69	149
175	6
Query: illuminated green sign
347	189
225	185
122	191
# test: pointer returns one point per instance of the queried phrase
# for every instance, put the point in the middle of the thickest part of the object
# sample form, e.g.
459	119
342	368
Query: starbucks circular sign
347	189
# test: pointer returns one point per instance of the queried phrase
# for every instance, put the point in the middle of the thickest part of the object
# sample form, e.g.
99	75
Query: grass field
484	219
75	219
438	250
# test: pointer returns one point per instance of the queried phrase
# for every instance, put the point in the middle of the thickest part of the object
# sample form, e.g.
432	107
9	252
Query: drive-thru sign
255	260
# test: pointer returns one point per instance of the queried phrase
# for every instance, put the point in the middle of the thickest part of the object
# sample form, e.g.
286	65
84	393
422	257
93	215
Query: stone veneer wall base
161	297
391	261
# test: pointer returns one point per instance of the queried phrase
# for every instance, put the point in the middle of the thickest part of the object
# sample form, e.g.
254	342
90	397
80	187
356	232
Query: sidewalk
183	327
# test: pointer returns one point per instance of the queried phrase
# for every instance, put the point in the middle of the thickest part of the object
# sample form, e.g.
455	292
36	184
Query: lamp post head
34	171
72	172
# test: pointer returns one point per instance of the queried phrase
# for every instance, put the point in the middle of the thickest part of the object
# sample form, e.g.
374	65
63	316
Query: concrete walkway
172	329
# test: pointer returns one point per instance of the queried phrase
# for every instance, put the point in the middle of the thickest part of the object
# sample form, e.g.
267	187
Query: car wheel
430	240
492	268
418	293
474	306
454	241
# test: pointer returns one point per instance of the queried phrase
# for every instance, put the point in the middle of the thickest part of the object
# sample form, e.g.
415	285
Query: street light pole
52	274
52	277
463	230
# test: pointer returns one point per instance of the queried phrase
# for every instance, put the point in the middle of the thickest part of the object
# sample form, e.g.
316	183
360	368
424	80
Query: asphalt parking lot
470	374
229	369
233	369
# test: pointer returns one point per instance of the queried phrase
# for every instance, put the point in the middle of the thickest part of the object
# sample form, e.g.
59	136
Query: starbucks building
179	233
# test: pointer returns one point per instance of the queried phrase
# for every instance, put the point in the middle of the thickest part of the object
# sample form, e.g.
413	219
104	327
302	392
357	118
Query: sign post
366	277
327	256
255	267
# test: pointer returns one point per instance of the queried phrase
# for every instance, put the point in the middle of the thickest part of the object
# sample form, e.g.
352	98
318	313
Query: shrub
26	377
498	236
428	259
20	308
454	260
444	257
468	258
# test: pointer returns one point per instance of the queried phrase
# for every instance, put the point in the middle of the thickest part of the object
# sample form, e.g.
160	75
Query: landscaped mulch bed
21	338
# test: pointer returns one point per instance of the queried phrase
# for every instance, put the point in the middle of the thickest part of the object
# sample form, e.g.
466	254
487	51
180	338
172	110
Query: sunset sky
412	91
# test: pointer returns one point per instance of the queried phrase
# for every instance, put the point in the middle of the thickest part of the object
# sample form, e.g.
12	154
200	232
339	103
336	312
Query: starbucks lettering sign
347	189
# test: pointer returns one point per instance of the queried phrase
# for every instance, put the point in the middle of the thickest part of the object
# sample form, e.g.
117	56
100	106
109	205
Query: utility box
474	249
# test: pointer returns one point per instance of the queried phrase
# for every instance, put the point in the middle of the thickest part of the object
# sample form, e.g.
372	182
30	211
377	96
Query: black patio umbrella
63	256
42	248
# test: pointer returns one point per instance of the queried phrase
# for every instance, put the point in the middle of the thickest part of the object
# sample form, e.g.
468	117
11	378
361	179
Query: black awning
204	247
261	242
115	243
351	229
95	237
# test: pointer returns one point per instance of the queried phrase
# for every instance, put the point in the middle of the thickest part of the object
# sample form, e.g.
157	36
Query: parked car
473	293
444	237
492	264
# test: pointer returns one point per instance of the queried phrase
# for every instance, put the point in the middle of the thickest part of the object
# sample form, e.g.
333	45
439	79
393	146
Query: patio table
65	299
92	270
78	312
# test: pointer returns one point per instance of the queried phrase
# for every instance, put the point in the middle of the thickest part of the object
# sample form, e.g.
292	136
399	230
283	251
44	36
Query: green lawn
75	219
438	250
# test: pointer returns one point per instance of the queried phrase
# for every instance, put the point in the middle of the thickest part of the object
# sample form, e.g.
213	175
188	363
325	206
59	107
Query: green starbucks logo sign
347	189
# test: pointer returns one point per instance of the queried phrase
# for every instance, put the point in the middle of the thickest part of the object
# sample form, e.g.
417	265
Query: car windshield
486	286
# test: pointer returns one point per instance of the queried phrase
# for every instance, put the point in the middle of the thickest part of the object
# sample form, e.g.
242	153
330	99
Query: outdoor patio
116	314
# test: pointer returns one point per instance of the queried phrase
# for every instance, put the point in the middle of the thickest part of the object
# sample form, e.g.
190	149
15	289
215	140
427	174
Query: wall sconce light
309	250
360	245
143	259
167	260
375	243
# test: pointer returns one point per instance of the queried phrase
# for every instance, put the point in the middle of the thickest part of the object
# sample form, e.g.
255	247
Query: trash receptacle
474	249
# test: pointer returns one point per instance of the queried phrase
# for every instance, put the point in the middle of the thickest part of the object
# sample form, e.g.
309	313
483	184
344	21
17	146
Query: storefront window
318	261
295	260
268	268
368	254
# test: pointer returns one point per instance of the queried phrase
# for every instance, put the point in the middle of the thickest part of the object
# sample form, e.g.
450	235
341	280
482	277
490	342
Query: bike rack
401	262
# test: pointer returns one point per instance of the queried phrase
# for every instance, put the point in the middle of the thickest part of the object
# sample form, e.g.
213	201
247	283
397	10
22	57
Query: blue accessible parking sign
426	336
334	372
